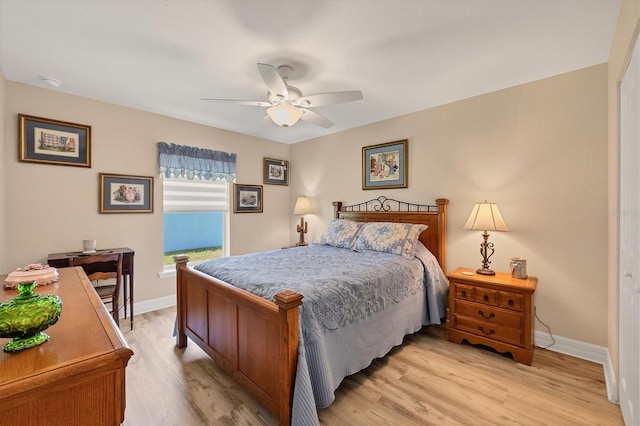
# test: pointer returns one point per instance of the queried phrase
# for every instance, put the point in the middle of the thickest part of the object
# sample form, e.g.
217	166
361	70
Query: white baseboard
610	380
154	304
582	350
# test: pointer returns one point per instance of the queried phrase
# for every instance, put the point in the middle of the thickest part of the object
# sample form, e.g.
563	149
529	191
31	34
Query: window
195	219
195	201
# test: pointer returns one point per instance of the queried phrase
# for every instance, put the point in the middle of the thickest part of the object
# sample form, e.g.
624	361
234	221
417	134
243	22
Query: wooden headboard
383	209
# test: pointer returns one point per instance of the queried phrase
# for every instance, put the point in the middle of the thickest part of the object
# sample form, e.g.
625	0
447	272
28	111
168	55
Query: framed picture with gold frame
385	165
126	194
48	141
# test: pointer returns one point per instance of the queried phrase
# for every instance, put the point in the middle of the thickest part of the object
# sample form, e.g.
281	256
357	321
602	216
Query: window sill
170	271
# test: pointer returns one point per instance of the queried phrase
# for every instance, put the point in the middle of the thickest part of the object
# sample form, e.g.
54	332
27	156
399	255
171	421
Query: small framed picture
276	172
126	194
47	141
247	198
385	165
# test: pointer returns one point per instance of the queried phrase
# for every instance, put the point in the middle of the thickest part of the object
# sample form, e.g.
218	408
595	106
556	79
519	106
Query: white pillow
390	237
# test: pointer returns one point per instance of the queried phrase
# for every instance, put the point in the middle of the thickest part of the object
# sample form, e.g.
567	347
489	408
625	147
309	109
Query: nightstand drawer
504	299
489	330
512	301
486	295
490	314
464	292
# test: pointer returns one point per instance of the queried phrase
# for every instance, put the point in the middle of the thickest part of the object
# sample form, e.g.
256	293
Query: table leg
125	284
131	298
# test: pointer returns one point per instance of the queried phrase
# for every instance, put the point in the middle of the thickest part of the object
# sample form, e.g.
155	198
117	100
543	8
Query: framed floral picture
126	194
385	165
47	141
276	172
247	198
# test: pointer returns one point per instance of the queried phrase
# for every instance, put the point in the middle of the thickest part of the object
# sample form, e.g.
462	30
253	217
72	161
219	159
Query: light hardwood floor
426	381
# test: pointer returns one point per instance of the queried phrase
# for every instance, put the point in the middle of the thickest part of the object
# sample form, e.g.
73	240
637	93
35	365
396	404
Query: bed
290	356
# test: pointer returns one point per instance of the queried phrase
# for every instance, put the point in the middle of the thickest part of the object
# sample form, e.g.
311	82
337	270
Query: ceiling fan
286	105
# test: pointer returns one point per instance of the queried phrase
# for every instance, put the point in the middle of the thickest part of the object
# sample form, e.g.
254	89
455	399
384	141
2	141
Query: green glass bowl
23	318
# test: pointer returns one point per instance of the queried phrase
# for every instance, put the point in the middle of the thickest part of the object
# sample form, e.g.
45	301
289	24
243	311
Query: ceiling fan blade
273	80
322	99
315	118
238	102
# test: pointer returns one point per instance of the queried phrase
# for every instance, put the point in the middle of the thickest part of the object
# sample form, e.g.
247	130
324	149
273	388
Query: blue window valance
191	162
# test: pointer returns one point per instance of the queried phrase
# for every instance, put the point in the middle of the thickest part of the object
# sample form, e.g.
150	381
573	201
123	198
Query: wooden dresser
75	378
493	310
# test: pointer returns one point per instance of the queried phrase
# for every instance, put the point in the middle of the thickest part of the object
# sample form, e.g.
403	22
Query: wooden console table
61	260
75	378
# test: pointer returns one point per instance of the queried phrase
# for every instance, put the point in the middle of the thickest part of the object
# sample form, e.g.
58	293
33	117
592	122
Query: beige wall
539	150
626	33
51	208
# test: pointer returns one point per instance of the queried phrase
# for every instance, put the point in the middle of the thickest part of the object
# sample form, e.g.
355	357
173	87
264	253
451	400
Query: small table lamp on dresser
486	217
302	207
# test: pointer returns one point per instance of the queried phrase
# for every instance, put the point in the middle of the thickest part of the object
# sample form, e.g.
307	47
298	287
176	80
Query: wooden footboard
253	339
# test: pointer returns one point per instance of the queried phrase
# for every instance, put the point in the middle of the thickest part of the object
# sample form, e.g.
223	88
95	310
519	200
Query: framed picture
276	172
47	141
385	165
247	198
126	194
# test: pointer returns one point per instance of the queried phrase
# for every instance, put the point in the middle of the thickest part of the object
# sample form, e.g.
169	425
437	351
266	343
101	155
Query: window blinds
183	195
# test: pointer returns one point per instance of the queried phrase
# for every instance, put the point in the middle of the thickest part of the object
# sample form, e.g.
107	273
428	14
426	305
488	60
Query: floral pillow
387	237
341	233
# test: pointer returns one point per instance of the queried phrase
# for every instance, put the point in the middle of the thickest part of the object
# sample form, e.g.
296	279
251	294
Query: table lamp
486	217
302	207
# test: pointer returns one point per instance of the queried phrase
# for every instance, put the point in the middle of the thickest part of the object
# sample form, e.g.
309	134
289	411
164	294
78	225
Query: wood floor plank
427	381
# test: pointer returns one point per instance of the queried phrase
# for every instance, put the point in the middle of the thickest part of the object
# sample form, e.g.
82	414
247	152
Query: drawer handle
510	302
489	333
485	298
491	315
464	293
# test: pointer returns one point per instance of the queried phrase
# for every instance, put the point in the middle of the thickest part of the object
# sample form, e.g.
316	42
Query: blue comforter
356	307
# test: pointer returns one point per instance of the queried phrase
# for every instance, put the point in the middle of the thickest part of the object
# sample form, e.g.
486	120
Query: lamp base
483	271
302	229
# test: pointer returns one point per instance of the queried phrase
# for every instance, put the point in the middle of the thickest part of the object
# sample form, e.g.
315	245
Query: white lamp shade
486	217
284	115
303	206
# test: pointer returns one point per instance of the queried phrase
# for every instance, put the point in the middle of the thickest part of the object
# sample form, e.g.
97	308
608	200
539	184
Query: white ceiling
404	55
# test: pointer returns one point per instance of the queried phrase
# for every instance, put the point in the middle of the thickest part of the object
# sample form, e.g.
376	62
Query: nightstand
493	310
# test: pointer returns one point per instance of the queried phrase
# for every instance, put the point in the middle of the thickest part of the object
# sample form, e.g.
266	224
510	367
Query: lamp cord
535	311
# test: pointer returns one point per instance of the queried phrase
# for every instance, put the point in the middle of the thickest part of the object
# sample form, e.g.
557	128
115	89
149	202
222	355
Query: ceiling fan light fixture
286	105
284	115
